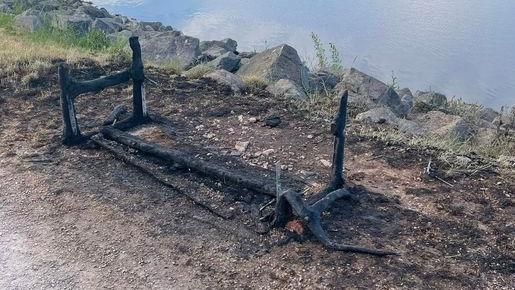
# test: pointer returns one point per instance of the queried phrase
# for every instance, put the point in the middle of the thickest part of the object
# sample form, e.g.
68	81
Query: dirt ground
79	218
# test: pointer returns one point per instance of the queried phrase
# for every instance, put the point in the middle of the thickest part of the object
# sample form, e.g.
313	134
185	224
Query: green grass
93	41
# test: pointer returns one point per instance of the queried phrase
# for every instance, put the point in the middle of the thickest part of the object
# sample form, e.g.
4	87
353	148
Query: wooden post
71	131
140	113
338	130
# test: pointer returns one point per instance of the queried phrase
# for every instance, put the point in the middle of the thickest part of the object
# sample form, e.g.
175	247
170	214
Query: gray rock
80	23
244	61
4	8
213	49
93	11
281	62
443	125
227	78
323	80
123	35
247	54
488	114
407	103
405	91
379	115
107	25
28	22
161	47
392	100
287	88
485	136
362	84
431	99
228	61
410	127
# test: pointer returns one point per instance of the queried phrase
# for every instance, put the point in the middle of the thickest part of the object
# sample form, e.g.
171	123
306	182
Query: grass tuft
198	71
255	83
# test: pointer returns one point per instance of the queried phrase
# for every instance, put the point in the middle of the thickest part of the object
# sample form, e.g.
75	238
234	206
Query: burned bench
289	204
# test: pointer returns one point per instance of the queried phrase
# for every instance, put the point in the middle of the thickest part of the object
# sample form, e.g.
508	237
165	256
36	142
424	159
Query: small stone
240	118
209	135
267	152
310	136
273	121
325	163
242	146
253	120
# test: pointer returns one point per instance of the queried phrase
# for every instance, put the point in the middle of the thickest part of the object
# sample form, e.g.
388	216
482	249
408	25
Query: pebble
325	163
242	146
267	152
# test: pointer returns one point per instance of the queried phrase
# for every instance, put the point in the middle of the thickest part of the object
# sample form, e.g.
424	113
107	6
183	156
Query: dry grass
198	71
255	83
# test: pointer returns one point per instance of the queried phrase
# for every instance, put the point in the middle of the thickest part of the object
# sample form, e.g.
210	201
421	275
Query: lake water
463	48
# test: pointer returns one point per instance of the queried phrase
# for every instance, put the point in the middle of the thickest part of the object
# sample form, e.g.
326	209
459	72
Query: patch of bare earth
79	218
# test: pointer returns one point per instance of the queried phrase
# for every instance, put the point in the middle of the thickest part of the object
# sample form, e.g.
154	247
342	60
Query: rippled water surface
464	48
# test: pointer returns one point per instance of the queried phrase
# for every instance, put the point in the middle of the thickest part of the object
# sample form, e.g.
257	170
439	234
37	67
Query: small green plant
334	64
336	61
319	51
394	84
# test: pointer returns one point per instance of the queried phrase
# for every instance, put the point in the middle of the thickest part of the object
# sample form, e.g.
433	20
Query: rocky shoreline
283	73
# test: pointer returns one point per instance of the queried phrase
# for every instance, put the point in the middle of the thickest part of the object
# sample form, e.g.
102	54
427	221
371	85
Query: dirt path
77	218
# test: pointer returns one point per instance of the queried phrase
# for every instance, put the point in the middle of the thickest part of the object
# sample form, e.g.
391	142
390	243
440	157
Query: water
463	48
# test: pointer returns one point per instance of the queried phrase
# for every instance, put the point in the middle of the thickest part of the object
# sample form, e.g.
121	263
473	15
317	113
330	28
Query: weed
319	51
255	83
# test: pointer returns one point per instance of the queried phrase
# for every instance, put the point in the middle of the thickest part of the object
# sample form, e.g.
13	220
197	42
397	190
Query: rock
404	92
326	163
215	48
485	136
123	35
362	84
247	54
288	89
441	124
228	61
28	22
273	121
407	103
107	25
392	100
463	161
93	11
410	127
323	80
488	114
379	115
244	61
80	23
431	99
227	78
267	152
162	47
281	62
242	146
4	8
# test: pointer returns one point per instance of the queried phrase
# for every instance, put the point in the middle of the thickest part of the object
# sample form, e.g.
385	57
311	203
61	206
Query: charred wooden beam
338	130
139	112
71	131
261	185
115	115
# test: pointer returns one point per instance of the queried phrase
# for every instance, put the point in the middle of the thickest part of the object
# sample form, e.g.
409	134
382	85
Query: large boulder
287	88
162	47
228	61
444	125
107	25
214	48
228	79
370	92
280	62
28	22
362	84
